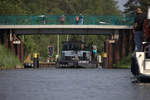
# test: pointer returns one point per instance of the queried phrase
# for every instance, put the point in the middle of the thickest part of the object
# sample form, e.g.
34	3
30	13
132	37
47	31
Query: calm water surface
71	84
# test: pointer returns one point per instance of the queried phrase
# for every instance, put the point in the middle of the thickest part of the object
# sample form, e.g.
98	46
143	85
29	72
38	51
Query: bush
124	63
8	59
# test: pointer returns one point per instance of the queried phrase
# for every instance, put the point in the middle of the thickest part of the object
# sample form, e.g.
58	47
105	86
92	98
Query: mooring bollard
104	59
35	60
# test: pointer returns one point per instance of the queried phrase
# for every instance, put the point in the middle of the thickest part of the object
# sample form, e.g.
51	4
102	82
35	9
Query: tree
12	7
131	6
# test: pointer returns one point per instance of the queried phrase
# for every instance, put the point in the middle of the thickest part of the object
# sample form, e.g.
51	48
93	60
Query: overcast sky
121	3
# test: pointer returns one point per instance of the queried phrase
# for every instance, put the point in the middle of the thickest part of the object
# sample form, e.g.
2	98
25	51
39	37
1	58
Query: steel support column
110	57
107	52
118	48
131	41
6	39
22	51
117	54
1	38
18	49
124	41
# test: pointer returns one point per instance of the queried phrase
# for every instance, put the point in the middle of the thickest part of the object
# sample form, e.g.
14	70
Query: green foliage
8	59
124	63
69	7
131	5
10	7
97	40
39	43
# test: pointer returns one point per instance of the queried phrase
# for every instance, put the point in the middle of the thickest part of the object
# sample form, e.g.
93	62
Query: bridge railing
69	20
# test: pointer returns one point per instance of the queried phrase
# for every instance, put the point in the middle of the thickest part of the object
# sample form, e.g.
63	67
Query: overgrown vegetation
124	63
8	59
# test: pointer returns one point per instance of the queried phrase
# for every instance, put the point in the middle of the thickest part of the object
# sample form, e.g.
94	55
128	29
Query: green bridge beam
69	20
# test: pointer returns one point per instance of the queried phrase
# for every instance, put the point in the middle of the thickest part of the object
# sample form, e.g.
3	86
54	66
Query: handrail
68	20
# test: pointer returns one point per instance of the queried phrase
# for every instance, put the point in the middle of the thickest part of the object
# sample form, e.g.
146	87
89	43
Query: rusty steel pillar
127	43
19	48
117	52
1	37
131	41
19	51
124	43
12	47
110	57
120	45
117	49
109	51
6	39
22	52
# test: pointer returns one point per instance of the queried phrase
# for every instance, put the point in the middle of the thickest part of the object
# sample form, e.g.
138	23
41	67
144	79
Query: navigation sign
17	42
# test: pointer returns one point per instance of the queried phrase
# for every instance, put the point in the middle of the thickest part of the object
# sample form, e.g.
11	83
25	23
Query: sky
121	3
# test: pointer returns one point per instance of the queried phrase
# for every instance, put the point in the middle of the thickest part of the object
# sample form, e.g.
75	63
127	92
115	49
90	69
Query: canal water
71	84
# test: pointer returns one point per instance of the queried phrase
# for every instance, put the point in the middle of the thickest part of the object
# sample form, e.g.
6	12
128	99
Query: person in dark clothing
138	29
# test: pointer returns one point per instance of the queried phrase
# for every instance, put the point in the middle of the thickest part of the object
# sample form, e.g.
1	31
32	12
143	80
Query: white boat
140	66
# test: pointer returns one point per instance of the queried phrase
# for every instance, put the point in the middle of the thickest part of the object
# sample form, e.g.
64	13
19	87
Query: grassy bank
7	59
124	63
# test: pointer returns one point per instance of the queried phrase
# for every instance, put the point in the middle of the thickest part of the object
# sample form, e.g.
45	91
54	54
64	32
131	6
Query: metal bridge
51	24
117	45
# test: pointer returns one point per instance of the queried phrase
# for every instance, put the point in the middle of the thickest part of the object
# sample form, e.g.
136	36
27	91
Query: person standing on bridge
81	19
77	19
138	29
62	19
